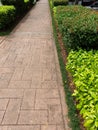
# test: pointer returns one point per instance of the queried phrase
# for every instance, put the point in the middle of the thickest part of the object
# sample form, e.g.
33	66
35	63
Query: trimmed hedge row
20	5
7	15
78	25
13	9
83	66
60	2
79	28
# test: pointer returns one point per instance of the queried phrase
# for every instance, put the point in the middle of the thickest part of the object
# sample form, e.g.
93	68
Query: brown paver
1	116
46	103
28	99
1	38
33	117
48	127
47	93
3	104
20	84
31	92
11	93
12	112
22	127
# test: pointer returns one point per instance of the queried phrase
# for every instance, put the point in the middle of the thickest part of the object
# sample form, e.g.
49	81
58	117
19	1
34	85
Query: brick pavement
31	91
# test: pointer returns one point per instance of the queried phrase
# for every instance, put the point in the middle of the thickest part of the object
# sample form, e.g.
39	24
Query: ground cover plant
83	66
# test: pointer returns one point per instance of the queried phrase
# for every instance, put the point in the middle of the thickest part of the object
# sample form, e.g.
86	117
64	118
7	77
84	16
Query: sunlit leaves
84	68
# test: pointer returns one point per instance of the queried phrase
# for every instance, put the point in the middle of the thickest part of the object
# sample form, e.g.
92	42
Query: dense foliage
79	28
13	2
7	15
13	9
60	2
84	68
77	23
20	5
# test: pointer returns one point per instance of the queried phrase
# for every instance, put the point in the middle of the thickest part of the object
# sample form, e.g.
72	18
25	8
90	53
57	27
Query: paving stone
3	104
33	117
48	127
55	114
28	99
23	60
6	70
3	59
6	77
3	84
10	60
18	61
36	84
19	84
46	103
49	84
61	127
22	127
11	93
3	127
27	60
12	112
17	74
47	93
37	75
36	58
49	75
1	38
27	74
5	74
1	115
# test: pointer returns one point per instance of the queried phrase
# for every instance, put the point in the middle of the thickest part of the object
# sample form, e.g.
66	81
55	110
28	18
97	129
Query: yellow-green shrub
83	66
7	15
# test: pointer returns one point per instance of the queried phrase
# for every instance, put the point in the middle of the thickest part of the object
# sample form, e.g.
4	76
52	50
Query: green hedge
60	2
78	25
7	15
27	4
16	3
20	5
83	66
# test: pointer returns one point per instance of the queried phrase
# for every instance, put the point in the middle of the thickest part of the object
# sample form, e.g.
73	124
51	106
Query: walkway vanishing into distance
31	92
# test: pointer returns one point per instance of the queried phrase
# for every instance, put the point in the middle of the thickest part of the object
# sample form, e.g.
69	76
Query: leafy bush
84	68
78	25
32	1
20	5
7	15
13	2
27	4
60	2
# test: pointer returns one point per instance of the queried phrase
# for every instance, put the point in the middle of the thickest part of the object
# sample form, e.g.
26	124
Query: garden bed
82	60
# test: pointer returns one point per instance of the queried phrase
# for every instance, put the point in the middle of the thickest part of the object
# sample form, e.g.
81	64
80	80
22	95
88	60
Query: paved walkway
31	92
